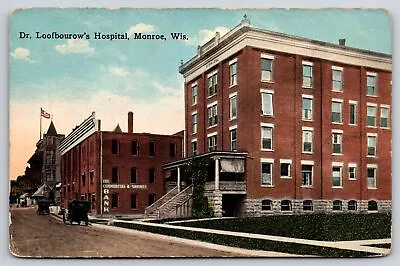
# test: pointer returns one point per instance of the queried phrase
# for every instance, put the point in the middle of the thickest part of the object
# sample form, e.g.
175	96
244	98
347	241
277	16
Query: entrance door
232	205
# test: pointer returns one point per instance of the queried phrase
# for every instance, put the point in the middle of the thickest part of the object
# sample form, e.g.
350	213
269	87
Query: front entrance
232	205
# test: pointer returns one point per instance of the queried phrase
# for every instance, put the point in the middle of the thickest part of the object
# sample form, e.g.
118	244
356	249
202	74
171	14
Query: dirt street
44	236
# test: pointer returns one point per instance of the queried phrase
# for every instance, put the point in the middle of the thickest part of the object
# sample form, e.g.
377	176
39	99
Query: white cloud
166	90
118	71
205	35
140	27
22	54
75	47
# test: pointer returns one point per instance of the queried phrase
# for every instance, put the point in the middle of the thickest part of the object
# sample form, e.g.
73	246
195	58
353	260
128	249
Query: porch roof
212	155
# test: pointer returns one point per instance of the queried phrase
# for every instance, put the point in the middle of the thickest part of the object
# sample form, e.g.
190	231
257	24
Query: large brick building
311	120
119	172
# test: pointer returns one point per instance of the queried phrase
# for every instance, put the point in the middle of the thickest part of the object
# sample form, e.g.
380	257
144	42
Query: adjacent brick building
119	172
314	119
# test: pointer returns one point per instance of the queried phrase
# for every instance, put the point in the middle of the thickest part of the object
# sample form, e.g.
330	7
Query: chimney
130	122
342	42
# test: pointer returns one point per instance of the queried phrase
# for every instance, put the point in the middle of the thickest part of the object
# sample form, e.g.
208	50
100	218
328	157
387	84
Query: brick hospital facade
314	119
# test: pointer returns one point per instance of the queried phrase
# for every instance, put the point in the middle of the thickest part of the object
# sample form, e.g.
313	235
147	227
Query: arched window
266	205
307	205
286	205
352	205
337	205
134	201
372	205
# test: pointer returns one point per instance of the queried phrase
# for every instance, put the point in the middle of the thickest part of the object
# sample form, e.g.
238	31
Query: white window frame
214	118
268	57
194	141
211	136
210	83
231	129
308	163
307	129
340	69
233	80
382	107
267	93
289	162
309	64
352	165
375	75
339	101
309	97
195	97
353	103
195	125
271	127
373	166
374	135
340	165
232	116
268	161
375	106
340	133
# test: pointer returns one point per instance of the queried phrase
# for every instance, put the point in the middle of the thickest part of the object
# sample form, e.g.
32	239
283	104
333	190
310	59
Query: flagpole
40	129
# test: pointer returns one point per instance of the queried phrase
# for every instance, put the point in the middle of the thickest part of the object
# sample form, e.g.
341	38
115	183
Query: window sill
337	154
267	150
373	188
286	177
268	115
375	96
340	91
352	179
307	152
337	123
268	186
194	104
212	126
306	186
304	87
352	125
387	128
369	126
267	81
339	187
372	156
232	119
232	85
307	120
210	96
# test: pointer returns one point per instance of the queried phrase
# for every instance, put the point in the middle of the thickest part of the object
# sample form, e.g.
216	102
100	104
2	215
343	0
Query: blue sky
72	79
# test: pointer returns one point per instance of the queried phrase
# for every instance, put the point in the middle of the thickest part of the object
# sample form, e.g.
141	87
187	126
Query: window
266	68
307	74
353	113
212	84
385	111
266	137
352	171
336	112
232	107
233	133
133	175
352	205
307	205
372	205
133	201
371	115
83	180
194	93
114	200
233	73
266	205
152	148
212	115
306	175
114	146
307	140
337	139
212	143
285	168
152	176
266	102
266	173
194	147
307	107
91	176
135	147
337	205
371	176
371	84
286	205
172	149
337	176
114	175
152	198
371	143
337	78
194	123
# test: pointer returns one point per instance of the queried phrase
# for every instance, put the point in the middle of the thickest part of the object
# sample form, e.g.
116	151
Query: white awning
232	165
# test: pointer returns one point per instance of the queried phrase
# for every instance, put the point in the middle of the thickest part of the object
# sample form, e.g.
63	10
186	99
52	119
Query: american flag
44	113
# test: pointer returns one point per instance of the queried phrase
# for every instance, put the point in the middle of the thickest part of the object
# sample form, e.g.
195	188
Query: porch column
216	174
179	179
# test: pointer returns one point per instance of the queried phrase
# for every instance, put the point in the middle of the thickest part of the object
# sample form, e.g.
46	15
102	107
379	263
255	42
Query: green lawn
326	227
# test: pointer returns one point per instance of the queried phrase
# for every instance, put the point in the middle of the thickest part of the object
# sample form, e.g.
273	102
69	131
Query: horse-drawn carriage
77	211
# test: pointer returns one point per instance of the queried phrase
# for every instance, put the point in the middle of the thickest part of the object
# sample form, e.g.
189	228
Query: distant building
119	172
308	123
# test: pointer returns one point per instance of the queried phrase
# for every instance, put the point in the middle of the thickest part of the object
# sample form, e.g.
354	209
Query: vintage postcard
200	132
